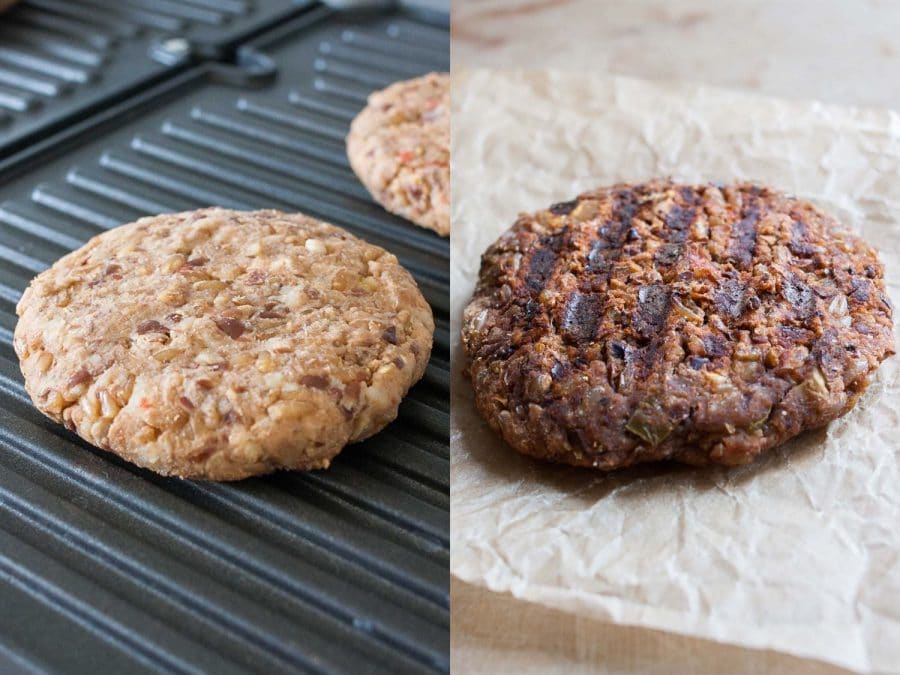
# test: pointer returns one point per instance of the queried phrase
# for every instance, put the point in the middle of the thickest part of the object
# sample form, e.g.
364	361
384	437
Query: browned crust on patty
698	323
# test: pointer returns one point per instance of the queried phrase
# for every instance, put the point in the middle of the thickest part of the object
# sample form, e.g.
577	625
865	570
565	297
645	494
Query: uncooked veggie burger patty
223	344
399	147
698	323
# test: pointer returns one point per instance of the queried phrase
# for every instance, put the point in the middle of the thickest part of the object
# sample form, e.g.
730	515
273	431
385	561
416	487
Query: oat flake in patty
222	344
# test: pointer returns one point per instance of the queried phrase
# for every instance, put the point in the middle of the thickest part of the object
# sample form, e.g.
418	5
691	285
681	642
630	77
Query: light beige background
495	633
841	51
832	51
798	553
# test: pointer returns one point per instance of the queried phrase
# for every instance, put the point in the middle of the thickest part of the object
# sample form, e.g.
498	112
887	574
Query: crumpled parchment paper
798	553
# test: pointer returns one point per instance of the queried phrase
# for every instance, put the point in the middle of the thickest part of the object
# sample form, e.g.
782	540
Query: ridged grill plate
108	568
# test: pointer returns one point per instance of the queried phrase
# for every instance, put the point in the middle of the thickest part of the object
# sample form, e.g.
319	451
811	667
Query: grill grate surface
338	571
63	58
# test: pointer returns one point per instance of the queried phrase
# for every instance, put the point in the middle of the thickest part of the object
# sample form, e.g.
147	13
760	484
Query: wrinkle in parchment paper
798	553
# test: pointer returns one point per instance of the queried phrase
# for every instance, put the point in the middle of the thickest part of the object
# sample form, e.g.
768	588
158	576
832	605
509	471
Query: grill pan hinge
252	69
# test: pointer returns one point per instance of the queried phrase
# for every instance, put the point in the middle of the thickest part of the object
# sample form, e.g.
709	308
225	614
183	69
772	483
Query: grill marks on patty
799	295
606	248
543	261
743	238
617	276
704	323
565	280
654	305
589	303
550	258
678	220
730	298
655	302
581	316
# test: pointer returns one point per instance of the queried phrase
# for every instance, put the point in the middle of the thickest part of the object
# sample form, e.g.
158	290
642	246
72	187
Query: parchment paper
799	553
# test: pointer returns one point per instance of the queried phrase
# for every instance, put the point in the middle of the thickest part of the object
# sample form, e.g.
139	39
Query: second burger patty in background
399	147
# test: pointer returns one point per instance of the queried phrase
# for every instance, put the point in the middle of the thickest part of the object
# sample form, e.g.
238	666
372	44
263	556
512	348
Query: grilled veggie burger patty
697	323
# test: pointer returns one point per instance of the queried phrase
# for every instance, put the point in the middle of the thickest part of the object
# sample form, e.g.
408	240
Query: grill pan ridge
108	568
61	59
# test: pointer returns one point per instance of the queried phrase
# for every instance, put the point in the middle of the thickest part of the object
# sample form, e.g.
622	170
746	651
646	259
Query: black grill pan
108	568
60	59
